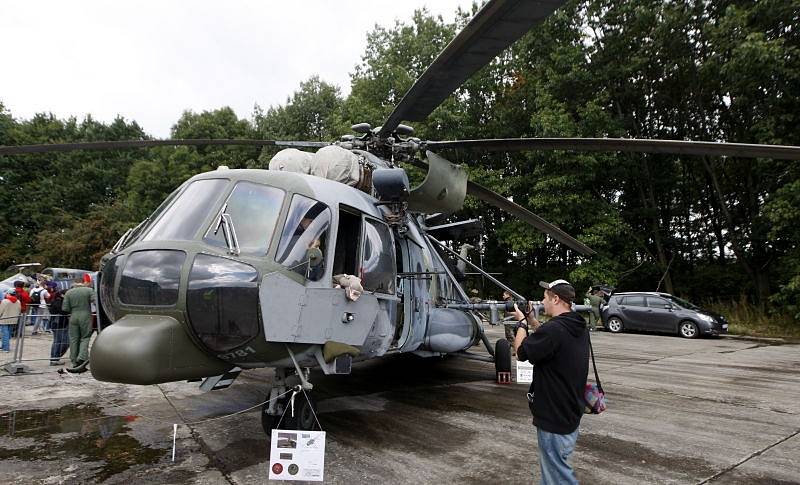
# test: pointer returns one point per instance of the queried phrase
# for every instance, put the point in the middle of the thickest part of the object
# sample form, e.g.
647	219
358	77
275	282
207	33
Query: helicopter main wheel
502	356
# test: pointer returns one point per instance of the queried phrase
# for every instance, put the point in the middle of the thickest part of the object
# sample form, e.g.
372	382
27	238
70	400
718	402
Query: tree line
701	227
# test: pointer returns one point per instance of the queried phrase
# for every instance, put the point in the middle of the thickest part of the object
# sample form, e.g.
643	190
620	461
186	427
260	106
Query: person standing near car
78	303
559	350
595	297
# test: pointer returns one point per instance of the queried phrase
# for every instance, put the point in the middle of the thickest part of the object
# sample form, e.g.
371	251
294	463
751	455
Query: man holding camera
559	350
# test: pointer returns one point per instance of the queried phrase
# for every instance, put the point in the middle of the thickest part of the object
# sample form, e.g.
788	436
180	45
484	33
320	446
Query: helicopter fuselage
236	269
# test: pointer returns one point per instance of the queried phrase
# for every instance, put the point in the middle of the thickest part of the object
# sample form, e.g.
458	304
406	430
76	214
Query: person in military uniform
78	303
595	297
509	322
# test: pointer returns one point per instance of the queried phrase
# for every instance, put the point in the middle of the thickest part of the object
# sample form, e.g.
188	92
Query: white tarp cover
292	160
337	163
330	162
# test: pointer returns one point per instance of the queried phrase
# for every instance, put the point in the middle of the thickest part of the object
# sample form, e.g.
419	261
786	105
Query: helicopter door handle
348	317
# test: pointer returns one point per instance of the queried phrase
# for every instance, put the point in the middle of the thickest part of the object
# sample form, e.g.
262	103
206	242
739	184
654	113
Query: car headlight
705	318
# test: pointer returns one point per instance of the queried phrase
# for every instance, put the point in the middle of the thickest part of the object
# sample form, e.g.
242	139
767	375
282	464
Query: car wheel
614	325
688	329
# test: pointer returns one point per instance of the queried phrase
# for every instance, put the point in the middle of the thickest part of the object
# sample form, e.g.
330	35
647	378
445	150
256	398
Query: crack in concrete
700	398
204	448
737	350
748	458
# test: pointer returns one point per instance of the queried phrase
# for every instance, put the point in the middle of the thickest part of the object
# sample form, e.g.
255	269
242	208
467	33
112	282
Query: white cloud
150	60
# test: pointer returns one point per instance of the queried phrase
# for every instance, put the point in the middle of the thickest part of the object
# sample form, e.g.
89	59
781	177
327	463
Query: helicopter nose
149	349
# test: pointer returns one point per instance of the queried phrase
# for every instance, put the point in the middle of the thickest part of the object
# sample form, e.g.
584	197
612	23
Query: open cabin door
317	312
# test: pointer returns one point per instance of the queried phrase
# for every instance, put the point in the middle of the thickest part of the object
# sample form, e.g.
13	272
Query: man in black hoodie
559	350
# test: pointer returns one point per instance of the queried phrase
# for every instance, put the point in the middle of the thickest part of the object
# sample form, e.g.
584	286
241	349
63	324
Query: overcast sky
150	60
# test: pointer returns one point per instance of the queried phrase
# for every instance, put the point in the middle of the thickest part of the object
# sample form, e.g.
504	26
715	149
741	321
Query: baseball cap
11	291
562	288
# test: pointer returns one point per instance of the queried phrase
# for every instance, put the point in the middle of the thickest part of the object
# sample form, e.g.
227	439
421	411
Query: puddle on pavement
88	434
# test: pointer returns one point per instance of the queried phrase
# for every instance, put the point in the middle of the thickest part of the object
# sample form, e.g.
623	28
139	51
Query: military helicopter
326	258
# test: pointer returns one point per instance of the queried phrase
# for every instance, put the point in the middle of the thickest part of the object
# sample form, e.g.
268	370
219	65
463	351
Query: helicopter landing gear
280	413
502	361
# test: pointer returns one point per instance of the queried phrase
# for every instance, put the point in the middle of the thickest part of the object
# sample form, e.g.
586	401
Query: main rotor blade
517	210
676	147
496	26
124	144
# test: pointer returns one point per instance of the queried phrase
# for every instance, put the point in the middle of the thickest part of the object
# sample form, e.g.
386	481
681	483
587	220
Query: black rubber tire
615	325
303	419
502	356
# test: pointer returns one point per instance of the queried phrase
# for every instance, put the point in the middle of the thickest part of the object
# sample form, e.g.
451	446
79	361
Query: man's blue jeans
554	452
6	333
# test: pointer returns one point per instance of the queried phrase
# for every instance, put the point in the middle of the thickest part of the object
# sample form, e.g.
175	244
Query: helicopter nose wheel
304	418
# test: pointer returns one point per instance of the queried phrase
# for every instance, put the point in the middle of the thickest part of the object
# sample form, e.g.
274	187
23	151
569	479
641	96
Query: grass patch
747	319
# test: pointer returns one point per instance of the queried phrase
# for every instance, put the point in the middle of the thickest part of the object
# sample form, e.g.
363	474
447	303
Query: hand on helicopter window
316	259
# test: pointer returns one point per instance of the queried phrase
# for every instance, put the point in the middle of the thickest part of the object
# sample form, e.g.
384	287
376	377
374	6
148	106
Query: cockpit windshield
253	211
181	220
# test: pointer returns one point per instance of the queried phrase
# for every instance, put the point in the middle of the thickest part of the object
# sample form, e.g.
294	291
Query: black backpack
36	296
55	305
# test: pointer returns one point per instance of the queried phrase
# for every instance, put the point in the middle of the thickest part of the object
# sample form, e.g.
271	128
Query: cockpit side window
254	210
303	245
181	220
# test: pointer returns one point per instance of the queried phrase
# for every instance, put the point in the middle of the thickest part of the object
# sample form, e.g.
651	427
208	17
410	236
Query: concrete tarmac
680	411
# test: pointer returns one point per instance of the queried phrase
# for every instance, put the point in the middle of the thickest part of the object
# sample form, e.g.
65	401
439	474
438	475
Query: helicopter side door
316	311
312	310
416	263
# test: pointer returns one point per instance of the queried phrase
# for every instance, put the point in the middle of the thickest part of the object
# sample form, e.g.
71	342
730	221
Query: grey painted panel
294	313
417	290
443	189
382	332
450	330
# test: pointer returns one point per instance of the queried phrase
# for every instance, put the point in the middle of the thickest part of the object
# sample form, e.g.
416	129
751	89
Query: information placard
524	372
297	455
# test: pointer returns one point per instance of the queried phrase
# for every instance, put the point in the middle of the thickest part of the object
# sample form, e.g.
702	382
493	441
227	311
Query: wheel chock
504	377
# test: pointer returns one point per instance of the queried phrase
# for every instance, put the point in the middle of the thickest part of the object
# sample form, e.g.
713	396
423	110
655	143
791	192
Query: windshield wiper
228	231
129	235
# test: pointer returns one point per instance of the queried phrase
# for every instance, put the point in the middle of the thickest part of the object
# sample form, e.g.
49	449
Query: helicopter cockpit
204	256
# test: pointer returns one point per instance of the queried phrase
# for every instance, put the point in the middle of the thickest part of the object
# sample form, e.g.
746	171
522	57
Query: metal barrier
17	364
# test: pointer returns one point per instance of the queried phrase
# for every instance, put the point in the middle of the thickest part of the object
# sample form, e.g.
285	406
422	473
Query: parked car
660	312
63	276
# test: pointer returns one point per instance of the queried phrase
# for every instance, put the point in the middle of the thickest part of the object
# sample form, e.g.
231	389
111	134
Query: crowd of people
49	310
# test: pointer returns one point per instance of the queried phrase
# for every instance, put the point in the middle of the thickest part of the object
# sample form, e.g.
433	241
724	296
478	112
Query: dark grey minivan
660	312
